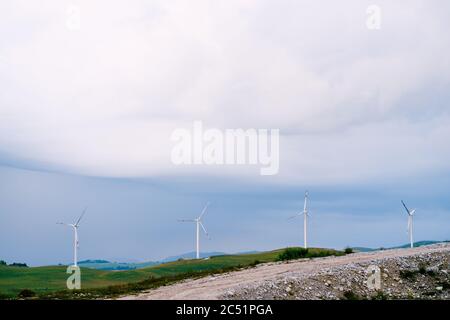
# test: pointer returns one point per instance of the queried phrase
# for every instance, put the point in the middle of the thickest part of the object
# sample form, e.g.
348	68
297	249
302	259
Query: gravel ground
418	273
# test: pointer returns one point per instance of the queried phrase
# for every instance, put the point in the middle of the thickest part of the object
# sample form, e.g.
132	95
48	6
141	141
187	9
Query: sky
90	93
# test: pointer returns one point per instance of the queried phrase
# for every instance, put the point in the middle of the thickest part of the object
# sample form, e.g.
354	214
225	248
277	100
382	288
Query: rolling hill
120	266
46	280
416	244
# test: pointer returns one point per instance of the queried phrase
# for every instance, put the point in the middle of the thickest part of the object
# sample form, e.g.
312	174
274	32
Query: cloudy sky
90	92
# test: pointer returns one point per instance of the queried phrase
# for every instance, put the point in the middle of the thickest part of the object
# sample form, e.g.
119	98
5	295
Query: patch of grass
3	296
408	274
130	288
350	295
412	274
380	295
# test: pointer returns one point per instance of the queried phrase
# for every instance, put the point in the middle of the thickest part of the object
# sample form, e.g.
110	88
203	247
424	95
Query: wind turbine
198	222
410	223
75	240
305	220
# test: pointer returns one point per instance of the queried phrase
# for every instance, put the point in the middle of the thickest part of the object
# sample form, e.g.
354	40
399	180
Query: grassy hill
45	281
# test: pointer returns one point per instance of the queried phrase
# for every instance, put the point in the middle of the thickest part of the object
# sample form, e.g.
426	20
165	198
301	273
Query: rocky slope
418	273
421	276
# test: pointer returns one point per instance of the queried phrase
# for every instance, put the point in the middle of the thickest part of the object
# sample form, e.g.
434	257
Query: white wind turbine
198	222
410	223
305	220
75	240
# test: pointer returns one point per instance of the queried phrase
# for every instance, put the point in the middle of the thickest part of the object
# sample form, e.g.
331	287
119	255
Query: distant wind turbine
198	222
305	220
75	241
410	223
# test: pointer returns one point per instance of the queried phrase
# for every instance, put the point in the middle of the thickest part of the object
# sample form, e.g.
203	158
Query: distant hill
416	244
419	244
119	266
93	261
114	266
191	255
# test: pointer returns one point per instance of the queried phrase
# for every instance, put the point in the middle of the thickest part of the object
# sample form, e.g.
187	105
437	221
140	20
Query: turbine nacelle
409	212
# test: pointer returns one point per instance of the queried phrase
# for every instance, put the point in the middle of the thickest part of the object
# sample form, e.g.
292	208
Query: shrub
293	253
2	263
16	264
26	293
422	269
348	250
408	274
411	274
350	295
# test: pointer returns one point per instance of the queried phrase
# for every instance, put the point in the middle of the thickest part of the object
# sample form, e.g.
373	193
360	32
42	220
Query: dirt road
212	287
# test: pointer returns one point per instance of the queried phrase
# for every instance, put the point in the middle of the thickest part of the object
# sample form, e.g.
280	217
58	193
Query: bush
26	293
2	263
293	253
408	274
350	295
15	264
348	250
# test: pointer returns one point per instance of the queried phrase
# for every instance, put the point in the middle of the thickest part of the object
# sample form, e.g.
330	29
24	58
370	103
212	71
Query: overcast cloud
354	106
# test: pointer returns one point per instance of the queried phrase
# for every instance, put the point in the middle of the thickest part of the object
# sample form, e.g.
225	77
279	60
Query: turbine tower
75	240
410	223
198	222
305	220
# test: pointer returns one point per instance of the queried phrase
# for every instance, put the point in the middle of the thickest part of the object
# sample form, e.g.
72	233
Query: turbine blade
203	211
406	208
79	219
186	220
204	229
295	216
412	212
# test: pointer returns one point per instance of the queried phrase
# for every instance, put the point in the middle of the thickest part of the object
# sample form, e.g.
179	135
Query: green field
47	280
